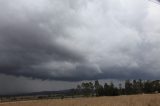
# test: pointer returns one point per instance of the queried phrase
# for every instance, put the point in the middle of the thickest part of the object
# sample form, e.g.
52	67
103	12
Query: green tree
128	87
140	86
78	90
120	89
106	89
98	89
87	88
147	87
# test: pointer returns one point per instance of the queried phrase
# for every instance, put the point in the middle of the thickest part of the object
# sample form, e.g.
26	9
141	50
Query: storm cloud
74	40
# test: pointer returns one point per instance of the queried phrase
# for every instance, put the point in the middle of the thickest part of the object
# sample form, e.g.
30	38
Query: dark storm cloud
24	44
78	40
27	85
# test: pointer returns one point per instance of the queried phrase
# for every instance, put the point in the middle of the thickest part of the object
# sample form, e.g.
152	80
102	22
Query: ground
133	100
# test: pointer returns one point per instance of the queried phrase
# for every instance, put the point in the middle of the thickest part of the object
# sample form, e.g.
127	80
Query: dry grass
135	100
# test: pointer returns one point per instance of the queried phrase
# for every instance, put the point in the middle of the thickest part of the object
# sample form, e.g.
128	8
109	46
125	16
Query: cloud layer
80	40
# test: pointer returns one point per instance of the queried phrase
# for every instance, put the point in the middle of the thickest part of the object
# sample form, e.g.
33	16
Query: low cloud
79	40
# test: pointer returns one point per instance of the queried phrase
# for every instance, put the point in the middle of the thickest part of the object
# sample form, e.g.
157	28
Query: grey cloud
78	40
27	85
26	44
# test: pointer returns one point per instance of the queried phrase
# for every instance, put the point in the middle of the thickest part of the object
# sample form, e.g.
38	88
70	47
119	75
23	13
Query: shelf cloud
74	40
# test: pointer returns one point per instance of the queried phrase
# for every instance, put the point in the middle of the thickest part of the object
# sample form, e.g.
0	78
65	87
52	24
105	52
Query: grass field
134	100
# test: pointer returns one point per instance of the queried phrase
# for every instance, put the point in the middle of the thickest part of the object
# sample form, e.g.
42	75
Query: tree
147	87
91	88
106	89
96	86
131	87
128	87
98	89
79	90
111	89
134	87
120	89
156	85
87	88
140	86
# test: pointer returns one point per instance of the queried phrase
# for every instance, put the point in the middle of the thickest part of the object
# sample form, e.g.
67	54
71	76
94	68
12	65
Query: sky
55	44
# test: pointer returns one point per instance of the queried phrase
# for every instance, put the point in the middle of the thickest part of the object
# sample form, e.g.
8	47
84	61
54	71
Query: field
134	100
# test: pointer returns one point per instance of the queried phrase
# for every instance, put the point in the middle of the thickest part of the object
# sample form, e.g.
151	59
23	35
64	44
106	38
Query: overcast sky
51	44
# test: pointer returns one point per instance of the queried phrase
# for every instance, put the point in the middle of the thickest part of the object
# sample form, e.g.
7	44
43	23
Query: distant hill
44	93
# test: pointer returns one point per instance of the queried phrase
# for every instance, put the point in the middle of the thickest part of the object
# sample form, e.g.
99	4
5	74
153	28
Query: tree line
109	89
129	87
